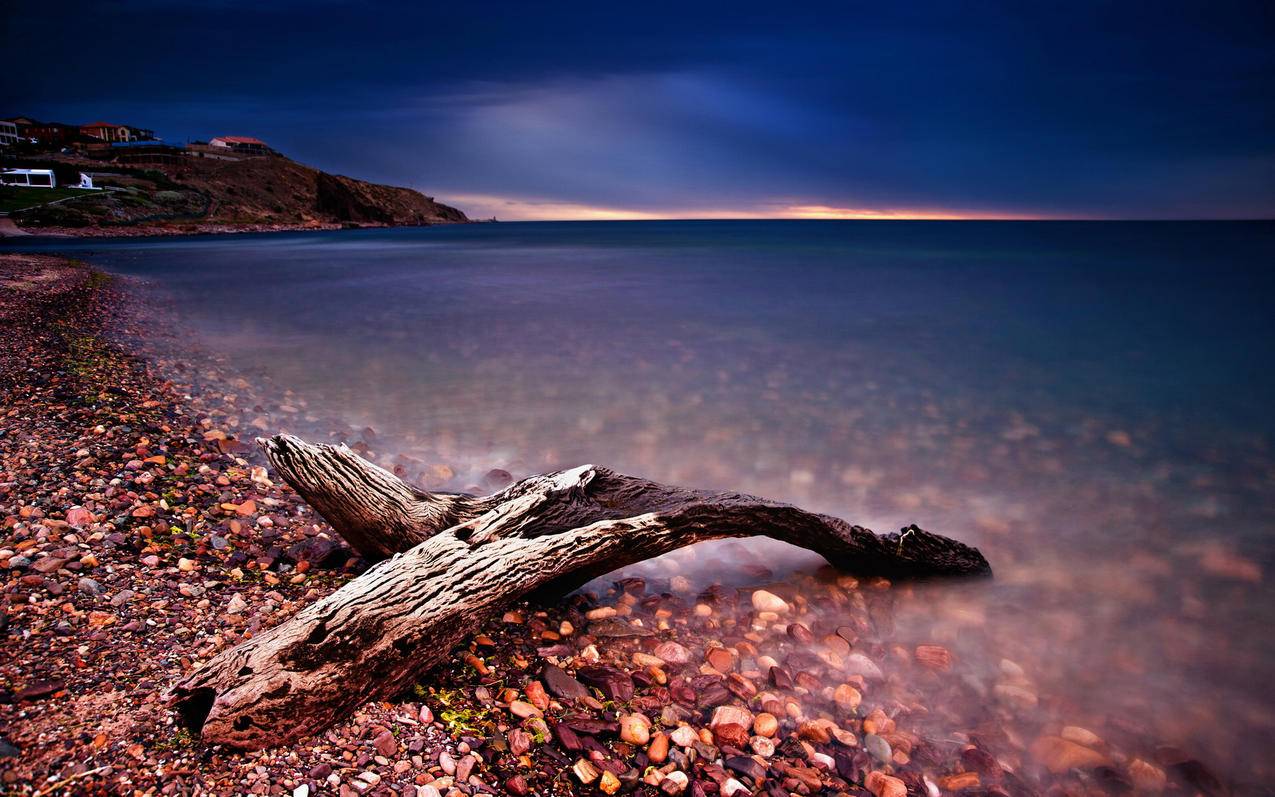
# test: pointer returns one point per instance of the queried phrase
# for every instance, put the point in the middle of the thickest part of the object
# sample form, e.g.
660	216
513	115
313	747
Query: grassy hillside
12	198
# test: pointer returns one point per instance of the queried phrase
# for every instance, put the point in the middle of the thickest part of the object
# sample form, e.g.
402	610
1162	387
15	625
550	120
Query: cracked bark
455	560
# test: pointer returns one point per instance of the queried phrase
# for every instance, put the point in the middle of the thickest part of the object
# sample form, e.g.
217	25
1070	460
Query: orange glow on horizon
506	208
901	214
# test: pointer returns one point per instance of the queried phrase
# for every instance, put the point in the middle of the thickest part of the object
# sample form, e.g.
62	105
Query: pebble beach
140	534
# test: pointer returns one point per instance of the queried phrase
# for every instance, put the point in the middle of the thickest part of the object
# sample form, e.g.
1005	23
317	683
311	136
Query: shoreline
140	535
13	232
61	233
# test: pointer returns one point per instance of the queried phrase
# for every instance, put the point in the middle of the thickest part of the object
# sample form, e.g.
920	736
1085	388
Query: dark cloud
1112	109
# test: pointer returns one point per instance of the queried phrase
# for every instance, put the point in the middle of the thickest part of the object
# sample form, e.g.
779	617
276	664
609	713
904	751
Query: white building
245	144
29	178
8	133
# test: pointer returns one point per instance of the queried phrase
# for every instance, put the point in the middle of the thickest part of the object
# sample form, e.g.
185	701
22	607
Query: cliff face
344	199
280	191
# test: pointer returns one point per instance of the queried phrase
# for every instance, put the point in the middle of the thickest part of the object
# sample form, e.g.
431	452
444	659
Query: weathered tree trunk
458	559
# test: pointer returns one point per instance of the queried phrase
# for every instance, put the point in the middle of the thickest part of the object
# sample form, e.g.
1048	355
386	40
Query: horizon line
517	208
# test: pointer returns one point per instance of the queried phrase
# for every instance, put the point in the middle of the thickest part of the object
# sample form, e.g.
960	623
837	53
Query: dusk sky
602	110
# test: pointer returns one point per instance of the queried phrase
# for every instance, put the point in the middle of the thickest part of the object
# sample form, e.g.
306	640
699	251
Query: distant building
8	133
23	123
51	133
29	178
106	131
243	144
46	133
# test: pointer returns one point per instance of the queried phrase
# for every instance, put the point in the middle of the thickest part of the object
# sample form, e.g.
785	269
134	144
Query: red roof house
246	144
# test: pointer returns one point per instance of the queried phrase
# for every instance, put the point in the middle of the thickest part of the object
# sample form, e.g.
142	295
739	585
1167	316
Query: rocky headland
202	195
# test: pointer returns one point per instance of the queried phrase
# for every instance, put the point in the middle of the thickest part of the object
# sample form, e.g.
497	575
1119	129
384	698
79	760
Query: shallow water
1087	402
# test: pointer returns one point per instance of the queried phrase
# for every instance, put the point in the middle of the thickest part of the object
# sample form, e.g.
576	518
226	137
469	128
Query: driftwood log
449	562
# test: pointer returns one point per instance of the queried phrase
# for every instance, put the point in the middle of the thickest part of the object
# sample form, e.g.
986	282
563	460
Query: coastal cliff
200	195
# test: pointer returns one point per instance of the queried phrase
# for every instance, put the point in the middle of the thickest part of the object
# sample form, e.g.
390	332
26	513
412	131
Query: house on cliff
244	145
37	132
106	131
52	133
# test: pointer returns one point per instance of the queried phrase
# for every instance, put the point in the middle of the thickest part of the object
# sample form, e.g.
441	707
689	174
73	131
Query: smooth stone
765	724
877	747
523	709
882	785
658	751
635	729
859	664
1059	755
813	731
673	653
847	697
1082	736
647	660
447	763
720	659
764	601
1015	695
